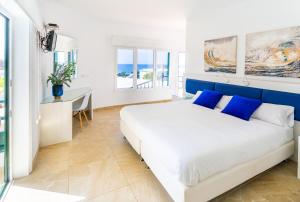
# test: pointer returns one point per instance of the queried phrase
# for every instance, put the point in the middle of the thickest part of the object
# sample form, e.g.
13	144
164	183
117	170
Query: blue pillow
208	99
242	107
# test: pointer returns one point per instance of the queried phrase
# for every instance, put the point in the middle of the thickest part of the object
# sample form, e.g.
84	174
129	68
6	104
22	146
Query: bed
198	153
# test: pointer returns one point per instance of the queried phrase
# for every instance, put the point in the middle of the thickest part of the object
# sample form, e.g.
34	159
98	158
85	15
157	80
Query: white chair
80	108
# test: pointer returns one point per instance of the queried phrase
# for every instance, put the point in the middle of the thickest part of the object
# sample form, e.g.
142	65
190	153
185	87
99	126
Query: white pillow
188	95
196	95
223	102
280	115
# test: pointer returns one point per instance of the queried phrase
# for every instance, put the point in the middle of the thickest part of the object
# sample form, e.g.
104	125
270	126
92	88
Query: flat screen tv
50	41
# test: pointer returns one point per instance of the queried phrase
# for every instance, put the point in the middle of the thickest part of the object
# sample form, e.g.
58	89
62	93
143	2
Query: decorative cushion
208	99
241	107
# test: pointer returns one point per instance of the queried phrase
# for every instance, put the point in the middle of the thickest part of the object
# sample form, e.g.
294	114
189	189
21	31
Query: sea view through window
137	68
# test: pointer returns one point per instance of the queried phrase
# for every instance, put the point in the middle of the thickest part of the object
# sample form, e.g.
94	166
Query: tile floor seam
129	185
101	195
133	192
106	192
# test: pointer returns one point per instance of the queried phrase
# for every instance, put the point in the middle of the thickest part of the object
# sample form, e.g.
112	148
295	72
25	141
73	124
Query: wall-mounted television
49	42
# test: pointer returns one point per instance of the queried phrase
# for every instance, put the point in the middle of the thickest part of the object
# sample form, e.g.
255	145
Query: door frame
8	101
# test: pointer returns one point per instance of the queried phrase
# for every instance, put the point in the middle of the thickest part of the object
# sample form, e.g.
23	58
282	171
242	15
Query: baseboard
34	160
137	103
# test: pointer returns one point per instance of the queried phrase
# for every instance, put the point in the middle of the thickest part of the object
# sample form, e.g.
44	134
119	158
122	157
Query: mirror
66	51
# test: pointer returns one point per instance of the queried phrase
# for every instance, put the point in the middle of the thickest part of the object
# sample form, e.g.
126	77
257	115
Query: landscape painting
220	55
274	53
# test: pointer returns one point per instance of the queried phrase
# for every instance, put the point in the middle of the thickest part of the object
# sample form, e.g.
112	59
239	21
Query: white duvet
194	143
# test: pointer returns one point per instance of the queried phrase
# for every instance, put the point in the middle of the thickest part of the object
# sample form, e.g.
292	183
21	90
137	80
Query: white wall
31	8
241	18
21	140
96	54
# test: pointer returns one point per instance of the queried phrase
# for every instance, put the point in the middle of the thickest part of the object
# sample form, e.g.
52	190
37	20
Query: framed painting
220	55
274	53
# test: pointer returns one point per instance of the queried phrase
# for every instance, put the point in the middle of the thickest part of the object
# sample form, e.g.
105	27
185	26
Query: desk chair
80	108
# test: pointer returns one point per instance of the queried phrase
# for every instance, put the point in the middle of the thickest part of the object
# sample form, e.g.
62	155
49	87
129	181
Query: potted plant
62	75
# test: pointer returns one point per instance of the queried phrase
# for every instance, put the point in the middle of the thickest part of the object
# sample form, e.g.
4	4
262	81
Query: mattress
194	142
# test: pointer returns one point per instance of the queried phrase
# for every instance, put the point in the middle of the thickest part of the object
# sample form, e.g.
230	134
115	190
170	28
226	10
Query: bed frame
212	186
224	181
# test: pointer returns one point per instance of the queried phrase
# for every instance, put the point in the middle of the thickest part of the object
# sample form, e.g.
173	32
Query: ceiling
165	13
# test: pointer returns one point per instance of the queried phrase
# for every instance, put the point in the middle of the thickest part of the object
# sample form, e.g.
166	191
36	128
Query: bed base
212	186
131	137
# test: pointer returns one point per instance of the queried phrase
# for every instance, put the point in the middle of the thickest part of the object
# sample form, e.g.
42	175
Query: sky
145	56
125	56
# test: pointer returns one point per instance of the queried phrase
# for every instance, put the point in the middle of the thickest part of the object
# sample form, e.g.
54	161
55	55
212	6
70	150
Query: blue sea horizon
128	68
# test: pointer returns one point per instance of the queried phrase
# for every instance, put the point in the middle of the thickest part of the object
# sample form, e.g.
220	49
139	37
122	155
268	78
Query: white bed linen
194	143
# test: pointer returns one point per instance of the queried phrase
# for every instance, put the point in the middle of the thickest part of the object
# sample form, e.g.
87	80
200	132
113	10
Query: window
66	53
145	67
63	58
181	71
162	68
142	68
125	68
4	101
59	58
72	58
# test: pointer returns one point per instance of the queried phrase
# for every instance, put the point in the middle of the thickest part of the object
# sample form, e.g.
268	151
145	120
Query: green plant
148	76
62	74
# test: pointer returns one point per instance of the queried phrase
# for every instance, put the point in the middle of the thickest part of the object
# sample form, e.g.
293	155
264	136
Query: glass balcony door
4	101
145	68
125	68
181	71
162	68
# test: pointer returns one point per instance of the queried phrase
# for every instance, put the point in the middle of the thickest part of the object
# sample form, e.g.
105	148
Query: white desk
57	116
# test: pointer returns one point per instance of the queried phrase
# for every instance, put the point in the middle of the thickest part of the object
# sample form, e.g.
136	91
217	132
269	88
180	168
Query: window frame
135	64
74	51
8	102
66	57
116	69
178	76
169	52
154	67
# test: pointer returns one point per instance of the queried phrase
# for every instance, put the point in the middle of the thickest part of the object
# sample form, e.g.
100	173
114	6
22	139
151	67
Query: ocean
128	68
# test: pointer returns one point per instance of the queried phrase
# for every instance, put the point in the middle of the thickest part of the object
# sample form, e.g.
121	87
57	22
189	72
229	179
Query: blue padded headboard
267	96
192	85
228	89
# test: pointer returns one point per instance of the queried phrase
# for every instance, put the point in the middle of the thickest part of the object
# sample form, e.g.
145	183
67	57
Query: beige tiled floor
100	166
